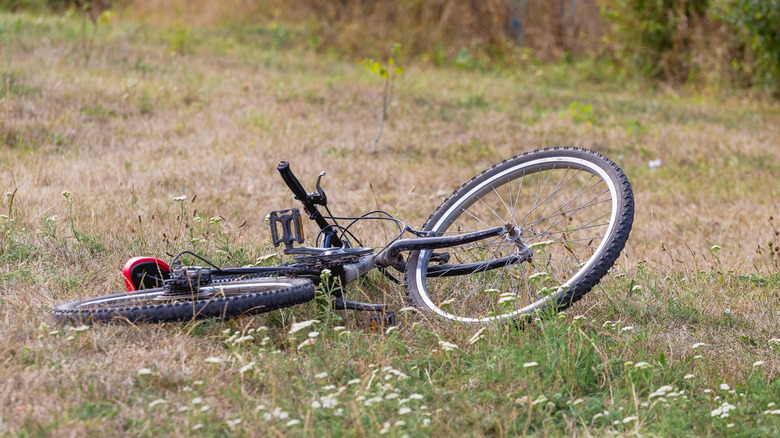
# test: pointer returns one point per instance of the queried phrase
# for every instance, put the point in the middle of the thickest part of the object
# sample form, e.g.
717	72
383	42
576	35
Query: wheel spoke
563	208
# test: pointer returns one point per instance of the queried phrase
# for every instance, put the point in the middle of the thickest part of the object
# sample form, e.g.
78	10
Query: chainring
332	257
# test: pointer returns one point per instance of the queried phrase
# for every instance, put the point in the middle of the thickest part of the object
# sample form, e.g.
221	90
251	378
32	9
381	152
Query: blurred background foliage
707	44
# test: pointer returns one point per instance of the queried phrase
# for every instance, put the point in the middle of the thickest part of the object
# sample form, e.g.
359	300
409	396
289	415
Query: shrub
757	25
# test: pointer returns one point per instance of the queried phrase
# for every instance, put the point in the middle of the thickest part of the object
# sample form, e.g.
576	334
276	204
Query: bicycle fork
392	255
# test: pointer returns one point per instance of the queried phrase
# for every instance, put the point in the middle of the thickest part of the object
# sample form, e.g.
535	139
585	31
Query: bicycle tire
571	258
249	296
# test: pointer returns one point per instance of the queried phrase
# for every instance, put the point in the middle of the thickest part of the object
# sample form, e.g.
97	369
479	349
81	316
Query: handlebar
292	182
331	237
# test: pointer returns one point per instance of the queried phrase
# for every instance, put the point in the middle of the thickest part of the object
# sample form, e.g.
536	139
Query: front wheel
227	298
573	210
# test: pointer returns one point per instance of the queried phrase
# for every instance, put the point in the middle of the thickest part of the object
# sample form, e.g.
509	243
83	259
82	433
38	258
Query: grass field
680	339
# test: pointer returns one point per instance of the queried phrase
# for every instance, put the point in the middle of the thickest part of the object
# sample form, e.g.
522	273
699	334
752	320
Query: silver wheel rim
515	173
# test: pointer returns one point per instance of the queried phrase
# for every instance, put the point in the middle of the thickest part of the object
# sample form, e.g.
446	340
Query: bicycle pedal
290	224
382	321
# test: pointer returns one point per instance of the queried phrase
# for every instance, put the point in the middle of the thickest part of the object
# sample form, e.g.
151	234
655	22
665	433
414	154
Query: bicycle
536	230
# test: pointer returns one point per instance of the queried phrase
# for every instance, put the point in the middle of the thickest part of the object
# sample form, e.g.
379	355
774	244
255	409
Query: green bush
757	24
34	5
654	37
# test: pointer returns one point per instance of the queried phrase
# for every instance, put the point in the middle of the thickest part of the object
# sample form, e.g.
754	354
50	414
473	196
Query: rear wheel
573	209
223	298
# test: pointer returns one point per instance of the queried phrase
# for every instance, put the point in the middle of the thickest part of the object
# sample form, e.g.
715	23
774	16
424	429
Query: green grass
160	113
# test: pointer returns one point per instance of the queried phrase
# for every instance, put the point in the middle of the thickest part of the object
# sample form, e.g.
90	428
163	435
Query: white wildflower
321	375
197	401
724	386
79	329
372	400
416	397
404	410
213	360
698	345
243	339
298	326
642	365
539	275
630	419
627	329
353	382
307	342
144	372
758	363
247	367
530	365
540	399
313	334
180	198
157	402
661	392
447	346
688	376
723	409
293	422
477	336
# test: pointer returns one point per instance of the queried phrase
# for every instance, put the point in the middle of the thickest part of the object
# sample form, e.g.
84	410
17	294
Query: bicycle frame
391	255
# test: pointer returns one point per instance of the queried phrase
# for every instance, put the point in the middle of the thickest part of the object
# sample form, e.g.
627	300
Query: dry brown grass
144	124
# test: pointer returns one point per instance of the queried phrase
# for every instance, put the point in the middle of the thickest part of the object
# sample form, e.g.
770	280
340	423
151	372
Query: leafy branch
389	72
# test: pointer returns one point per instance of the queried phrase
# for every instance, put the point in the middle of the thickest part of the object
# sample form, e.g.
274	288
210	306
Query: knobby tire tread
222	307
606	259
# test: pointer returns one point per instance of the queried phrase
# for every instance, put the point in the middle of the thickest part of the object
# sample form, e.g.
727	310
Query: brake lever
319	197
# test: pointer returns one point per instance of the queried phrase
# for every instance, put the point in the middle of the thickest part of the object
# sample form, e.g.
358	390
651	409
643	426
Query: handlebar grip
292	182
